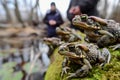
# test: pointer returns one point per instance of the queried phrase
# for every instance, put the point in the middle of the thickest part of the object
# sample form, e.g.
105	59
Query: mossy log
110	71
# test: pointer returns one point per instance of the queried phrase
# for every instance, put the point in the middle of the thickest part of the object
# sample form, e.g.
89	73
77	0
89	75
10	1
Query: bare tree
116	12
25	2
17	13
4	4
105	8
39	10
32	11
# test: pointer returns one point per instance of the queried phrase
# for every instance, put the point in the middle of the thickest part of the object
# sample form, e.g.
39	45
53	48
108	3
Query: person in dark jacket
77	7
53	19
82	7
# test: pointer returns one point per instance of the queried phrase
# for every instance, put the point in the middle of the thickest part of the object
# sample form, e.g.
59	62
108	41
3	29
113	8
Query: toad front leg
115	47
104	56
67	54
64	67
106	40
83	71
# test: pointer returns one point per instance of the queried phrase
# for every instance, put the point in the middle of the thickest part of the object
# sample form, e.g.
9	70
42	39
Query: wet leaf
27	67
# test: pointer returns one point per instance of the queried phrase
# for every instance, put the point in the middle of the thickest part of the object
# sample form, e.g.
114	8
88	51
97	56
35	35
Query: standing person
53	19
77	7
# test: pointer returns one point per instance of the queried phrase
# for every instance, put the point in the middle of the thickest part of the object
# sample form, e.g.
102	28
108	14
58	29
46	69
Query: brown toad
103	32
84	55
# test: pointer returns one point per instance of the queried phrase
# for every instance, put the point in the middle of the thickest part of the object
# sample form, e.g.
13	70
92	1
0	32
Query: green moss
54	70
110	71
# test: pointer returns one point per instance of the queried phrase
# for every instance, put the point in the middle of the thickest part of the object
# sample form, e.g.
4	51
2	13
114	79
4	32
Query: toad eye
62	29
76	19
84	17
62	49
90	21
77	47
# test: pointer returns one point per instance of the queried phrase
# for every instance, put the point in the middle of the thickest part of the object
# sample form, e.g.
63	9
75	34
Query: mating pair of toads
102	32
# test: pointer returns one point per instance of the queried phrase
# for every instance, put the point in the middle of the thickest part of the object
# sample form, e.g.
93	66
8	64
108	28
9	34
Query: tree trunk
105	8
115	14
17	13
8	16
32	11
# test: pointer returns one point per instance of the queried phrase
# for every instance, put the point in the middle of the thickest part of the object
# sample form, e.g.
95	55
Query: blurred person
53	19
77	7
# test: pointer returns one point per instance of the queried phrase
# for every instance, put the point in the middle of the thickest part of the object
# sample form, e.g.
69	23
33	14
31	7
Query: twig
32	63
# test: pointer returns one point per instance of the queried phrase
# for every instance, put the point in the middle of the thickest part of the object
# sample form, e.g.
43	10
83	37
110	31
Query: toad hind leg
82	72
105	40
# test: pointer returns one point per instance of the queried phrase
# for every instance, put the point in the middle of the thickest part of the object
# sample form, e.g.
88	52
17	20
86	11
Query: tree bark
105	8
8	16
32	11
17	13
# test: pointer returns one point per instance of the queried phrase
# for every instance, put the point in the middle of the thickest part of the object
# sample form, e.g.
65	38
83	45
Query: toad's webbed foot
71	75
64	71
80	72
115	47
71	39
86	39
